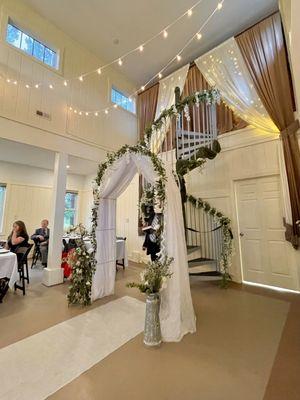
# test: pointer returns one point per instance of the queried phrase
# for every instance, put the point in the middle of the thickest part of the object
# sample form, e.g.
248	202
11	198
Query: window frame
75	209
122	93
4	205
11	20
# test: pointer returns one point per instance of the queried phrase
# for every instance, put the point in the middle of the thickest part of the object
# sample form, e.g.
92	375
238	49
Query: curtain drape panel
227	121
146	108
263	49
224	68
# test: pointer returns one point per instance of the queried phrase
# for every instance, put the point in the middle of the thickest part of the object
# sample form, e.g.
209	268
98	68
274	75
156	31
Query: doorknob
241	234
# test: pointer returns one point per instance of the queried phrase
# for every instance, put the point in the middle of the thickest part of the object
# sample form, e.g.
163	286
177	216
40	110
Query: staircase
190	139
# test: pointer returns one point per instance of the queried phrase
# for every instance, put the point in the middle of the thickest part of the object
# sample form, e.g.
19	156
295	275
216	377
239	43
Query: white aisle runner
39	365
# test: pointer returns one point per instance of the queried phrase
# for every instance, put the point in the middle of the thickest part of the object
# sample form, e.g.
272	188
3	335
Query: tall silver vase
152	332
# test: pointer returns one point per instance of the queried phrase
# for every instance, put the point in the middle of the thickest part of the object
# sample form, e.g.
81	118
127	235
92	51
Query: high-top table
9	267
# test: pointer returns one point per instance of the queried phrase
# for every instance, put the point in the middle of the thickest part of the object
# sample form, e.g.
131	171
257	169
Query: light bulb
8	80
116	105
198	36
141	48
165	33
190	12
80	113
178	57
219	6
27	86
86	113
120	62
99	71
15	82
65	83
160	75
81	78
96	114
50	86
75	111
142	88
68	166
70	108
106	111
36	86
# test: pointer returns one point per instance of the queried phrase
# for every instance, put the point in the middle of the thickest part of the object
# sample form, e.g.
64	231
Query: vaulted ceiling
109	28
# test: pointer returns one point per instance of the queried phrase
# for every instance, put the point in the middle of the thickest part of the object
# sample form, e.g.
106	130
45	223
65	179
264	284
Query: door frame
235	182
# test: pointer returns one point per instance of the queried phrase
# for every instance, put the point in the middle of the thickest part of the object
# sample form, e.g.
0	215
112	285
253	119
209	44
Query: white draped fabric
166	98
177	314
225	69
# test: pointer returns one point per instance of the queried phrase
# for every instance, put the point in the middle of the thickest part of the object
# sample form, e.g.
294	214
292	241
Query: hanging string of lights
119	60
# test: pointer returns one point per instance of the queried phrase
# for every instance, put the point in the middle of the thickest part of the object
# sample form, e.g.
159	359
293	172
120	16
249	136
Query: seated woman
18	236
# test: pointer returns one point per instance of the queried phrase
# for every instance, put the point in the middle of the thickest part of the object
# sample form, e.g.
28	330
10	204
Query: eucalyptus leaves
227	244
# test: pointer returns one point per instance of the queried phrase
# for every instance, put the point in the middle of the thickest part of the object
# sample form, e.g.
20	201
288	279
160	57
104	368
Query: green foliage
227	244
82	271
154	277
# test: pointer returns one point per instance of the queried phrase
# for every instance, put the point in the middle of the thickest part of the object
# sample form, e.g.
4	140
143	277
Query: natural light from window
122	100
23	41
2	202
70	215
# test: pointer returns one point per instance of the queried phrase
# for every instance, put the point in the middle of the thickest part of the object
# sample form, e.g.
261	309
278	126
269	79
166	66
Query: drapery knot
290	129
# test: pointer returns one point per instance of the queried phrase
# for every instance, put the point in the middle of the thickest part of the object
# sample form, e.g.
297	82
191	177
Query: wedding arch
176	313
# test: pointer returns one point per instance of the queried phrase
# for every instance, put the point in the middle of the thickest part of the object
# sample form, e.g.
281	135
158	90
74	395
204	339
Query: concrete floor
247	345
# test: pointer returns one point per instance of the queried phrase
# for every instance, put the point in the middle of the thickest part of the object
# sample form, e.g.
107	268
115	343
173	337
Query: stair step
212	274
201	261
191	249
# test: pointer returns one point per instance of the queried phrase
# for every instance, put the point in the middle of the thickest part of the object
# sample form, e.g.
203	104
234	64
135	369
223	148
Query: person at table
18	237
41	236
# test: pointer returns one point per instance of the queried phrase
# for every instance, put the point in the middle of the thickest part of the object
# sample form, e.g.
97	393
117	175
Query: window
122	100
2	202
23	41
70	215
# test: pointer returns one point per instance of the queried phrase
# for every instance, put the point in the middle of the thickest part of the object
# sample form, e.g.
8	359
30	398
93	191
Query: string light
27	86
96	114
178	57
87	114
70	108
15	82
8	80
50	86
36	86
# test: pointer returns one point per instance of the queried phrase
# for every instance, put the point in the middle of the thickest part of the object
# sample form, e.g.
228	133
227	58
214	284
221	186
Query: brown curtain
146	108
263	48
226	120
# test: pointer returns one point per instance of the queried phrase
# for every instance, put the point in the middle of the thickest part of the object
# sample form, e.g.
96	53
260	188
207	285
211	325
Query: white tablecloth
9	268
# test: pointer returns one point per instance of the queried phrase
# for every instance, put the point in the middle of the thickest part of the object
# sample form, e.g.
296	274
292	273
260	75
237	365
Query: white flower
88	283
78	263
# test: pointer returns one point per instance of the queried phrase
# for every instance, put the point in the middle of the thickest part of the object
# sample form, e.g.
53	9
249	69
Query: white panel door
264	254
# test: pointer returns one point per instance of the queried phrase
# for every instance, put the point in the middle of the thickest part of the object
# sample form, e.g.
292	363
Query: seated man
41	236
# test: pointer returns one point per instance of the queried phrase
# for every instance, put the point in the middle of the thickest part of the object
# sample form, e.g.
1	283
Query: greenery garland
83	269
211	96
227	246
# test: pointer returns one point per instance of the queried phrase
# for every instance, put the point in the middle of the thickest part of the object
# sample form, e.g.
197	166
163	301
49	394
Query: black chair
118	262
37	255
22	254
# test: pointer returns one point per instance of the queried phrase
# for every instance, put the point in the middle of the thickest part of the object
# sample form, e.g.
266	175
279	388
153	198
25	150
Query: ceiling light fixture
120	62
141	48
198	36
165	33
190	12
219	6
178	57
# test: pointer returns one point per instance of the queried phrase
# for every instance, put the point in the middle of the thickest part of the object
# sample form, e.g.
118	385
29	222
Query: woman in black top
18	236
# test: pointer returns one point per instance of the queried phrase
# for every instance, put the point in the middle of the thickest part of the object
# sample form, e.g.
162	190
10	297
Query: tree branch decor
227	245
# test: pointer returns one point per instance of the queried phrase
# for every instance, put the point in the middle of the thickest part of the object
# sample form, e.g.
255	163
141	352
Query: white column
53	274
